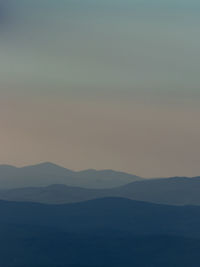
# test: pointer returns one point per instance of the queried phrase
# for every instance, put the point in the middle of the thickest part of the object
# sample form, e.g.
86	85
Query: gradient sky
101	84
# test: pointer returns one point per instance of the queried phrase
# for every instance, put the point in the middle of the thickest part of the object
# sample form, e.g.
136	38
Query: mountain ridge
47	173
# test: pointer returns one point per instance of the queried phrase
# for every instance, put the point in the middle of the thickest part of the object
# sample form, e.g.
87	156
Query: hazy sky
101	84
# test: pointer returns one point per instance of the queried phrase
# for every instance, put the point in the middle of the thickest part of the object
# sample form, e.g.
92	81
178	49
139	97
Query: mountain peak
47	168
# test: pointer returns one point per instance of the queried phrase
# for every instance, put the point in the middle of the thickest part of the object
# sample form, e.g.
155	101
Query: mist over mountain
45	174
102	227
111	83
171	191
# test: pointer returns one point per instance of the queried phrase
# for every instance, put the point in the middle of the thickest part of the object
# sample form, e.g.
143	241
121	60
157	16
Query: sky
104	84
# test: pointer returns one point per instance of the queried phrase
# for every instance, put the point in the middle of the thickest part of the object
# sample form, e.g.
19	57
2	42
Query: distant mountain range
51	184
172	191
45	174
109	232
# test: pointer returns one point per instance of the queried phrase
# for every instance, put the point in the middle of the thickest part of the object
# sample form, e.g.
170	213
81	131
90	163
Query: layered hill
172	191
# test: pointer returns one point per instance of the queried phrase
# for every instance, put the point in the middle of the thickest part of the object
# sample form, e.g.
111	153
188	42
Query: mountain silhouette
45	174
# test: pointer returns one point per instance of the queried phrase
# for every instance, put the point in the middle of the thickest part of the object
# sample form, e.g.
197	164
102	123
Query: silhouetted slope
100	233
137	218
38	247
